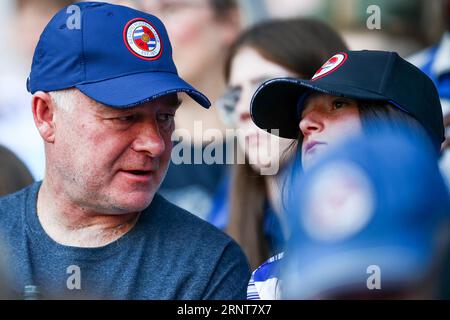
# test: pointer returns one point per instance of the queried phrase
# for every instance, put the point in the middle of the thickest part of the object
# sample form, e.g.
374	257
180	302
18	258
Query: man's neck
72	225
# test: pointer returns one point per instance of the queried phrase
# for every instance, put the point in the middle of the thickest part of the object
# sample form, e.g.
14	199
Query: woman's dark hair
222	8
375	113
302	46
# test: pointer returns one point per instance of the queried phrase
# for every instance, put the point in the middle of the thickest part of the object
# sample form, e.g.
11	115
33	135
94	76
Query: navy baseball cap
376	201
362	75
115	55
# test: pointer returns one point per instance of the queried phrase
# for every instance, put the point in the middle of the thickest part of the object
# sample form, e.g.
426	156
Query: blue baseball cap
115	55
362	75
376	203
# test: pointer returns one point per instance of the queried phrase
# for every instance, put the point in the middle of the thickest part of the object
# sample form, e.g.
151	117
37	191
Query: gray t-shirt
169	254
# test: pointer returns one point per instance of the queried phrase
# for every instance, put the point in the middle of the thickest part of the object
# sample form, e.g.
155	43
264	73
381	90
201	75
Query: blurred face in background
199	36
31	18
325	121
248	70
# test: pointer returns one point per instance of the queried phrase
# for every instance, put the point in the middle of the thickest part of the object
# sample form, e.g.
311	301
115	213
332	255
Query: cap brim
131	90
274	104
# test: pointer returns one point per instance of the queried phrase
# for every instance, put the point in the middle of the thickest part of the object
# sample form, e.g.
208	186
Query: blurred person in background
435	62
201	32
6	291
13	173
343	98
17	130
248	208
368	221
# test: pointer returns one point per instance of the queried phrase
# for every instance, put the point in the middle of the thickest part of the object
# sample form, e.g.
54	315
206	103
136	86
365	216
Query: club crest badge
142	39
331	65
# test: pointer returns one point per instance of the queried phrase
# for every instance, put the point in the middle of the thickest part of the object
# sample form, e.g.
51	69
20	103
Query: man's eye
165	117
126	118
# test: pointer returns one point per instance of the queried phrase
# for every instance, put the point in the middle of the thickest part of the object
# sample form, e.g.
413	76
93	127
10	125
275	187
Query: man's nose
149	139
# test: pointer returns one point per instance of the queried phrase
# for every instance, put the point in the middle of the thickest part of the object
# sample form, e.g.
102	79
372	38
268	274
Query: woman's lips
312	145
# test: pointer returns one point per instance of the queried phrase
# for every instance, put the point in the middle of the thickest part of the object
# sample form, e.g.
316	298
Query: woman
346	96
249	209
349	90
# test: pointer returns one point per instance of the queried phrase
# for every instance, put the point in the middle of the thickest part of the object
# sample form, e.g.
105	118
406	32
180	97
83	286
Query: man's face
111	160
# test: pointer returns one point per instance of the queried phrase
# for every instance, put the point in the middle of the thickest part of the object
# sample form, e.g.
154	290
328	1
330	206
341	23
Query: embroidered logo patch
142	39
331	65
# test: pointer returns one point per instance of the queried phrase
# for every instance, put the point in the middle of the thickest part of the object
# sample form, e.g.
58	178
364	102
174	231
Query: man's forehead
170	100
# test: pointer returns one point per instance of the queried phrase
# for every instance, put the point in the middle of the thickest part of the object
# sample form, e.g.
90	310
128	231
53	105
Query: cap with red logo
116	55
360	75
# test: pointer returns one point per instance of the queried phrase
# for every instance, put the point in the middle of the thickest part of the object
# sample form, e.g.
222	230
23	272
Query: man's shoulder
183	222
217	261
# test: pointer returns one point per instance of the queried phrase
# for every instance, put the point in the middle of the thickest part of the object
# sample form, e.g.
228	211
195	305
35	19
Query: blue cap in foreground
376	203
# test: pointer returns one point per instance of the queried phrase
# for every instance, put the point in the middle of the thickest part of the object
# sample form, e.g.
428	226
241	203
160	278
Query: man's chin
132	203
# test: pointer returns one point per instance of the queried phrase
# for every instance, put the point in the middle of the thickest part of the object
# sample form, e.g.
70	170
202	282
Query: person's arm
230	277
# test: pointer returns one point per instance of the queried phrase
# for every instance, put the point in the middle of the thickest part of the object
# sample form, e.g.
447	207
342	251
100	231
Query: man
104	97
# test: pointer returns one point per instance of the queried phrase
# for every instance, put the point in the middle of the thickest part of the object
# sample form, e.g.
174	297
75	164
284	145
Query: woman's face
248	70
325	121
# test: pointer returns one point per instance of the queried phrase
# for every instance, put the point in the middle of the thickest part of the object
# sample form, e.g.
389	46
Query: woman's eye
337	104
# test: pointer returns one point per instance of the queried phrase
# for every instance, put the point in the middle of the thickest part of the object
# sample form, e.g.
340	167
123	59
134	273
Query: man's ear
44	115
